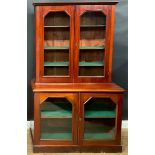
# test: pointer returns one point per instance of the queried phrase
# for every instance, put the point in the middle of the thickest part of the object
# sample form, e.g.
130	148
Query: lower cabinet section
77	122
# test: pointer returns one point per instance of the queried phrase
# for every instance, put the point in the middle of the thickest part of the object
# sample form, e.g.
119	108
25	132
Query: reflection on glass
92	43
56	119
99	119
56	44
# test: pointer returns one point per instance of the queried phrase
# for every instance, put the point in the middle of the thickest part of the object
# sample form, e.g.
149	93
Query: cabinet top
76	87
77	2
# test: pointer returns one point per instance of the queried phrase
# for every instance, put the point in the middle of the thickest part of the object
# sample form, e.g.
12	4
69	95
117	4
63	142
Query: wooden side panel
36	119
119	118
110	40
38	41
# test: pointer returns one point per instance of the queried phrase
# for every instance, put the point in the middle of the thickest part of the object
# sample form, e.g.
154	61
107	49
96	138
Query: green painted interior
98	136
100	113
65	135
94	63
56	107
95	128
47	63
56	113
68	113
100	107
61	107
56	47
53	128
92	47
56	135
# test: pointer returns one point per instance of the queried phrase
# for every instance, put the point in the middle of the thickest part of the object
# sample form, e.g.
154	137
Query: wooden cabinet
77	108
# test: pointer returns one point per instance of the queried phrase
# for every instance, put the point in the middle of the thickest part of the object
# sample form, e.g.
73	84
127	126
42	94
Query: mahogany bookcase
77	107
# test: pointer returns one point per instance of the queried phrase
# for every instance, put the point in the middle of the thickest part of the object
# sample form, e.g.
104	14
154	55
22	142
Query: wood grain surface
124	144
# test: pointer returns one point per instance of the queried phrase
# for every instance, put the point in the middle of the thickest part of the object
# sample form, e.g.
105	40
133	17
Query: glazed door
100	115
54	43
55	118
92	43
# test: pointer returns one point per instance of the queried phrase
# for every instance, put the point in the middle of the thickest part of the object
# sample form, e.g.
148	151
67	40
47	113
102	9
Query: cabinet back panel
57	37
93	18
92	34
56	71
92	37
56	19
91	71
56	55
91	55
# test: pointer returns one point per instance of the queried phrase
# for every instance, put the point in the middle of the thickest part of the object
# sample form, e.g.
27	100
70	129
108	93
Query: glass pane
54	128
92	43
99	119
56	44
56	119
56	62
99	128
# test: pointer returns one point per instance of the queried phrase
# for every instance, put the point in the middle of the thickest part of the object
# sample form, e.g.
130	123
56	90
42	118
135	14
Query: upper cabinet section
74	43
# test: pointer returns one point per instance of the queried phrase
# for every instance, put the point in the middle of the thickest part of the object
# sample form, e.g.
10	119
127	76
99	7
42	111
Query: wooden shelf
93	26
56	114
56	135
92	47
100	114
68	114
95	63
98	136
46	63
59	26
56	47
98	130
56	129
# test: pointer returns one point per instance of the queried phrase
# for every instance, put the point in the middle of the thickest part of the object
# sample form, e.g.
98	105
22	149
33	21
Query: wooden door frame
38	99
109	12
118	99
40	13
